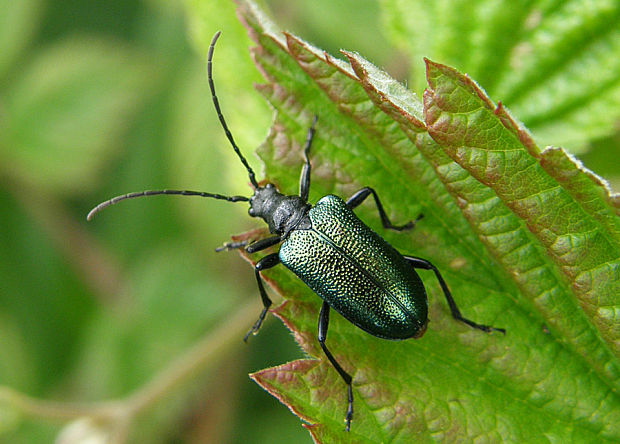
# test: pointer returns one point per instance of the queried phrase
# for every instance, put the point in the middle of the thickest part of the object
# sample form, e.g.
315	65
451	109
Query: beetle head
281	213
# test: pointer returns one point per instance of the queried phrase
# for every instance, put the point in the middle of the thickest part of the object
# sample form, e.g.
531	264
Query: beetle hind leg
322	336
418	262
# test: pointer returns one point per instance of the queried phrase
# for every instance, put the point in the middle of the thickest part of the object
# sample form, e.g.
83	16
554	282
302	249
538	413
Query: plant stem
199	357
208	351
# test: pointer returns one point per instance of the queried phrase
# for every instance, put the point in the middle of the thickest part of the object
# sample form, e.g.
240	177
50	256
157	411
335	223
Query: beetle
349	266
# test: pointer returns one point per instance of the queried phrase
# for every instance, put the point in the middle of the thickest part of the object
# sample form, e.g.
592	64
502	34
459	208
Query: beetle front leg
263	244
268	261
228	246
304	179
418	262
253	247
362	194
322	336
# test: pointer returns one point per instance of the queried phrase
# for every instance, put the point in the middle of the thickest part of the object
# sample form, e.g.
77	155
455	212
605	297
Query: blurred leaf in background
102	98
97	99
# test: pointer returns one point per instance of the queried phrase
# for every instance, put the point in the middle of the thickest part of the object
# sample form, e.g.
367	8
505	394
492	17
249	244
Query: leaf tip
432	71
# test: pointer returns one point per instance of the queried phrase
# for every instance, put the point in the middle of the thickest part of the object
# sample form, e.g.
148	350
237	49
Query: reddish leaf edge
297	367
524	136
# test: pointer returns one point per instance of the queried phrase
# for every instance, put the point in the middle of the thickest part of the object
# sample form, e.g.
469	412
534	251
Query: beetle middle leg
304	178
322	336
418	262
362	194
268	261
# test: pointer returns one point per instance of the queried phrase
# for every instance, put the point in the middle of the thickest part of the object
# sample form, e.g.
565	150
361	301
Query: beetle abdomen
358	273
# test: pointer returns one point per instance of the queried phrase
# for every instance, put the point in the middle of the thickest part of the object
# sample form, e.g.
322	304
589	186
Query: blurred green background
103	98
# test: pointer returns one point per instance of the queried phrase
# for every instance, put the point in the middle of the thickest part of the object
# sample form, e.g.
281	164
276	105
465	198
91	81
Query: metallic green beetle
353	269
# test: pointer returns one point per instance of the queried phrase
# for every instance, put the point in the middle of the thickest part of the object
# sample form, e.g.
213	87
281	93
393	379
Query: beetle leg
268	261
418	262
252	248
322	336
362	194
262	244
304	179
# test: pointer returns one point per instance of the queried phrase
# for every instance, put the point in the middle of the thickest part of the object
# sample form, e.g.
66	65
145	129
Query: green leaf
18	22
555	64
62	119
527	240
566	227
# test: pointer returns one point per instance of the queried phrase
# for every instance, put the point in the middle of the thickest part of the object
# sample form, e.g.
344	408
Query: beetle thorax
282	213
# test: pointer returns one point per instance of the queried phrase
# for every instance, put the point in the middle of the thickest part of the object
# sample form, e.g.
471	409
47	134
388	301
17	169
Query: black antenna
216	103
147	193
